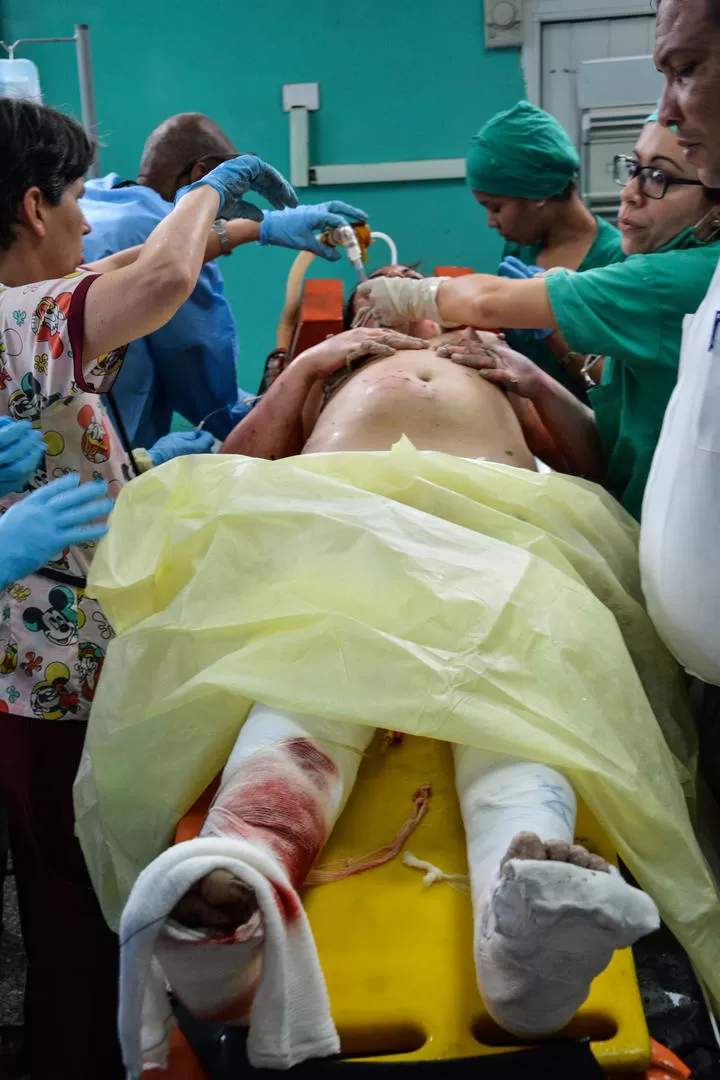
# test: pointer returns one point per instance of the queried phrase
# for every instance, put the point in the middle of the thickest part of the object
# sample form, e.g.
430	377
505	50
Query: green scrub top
606	248
632	313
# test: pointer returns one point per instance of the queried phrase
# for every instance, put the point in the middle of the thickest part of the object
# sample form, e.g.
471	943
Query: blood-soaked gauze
285	784
281	799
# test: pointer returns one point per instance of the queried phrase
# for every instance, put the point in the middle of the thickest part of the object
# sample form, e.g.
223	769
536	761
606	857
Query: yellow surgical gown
467	601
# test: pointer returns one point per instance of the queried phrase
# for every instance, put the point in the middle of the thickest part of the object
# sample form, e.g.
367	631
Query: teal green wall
399	79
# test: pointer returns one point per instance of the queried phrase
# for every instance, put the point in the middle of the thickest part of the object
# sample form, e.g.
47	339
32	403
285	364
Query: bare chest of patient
438	405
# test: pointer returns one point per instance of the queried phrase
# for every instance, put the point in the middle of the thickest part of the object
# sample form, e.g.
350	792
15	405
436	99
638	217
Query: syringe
345	236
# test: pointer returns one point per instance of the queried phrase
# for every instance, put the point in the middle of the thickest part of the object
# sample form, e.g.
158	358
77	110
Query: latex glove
511	267
234	178
21	451
520	271
398	301
49	520
179	443
295	228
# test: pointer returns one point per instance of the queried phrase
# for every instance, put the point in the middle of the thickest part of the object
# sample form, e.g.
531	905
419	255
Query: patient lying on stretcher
548	913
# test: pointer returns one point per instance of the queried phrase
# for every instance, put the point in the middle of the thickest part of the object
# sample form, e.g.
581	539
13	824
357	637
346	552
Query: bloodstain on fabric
288	902
280	798
312	760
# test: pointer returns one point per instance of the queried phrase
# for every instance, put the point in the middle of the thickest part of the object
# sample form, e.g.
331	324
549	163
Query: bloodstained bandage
281	797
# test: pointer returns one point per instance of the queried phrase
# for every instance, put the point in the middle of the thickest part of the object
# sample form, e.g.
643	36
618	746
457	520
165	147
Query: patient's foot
218	901
549	923
527	845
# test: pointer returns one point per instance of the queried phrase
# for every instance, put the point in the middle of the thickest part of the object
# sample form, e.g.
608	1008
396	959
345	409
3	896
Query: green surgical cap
523	153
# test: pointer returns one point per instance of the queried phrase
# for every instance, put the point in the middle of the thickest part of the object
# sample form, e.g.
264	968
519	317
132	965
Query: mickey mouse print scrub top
53	638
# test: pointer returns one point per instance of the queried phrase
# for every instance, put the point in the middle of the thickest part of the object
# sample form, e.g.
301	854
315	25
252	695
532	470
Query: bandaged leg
282	790
548	914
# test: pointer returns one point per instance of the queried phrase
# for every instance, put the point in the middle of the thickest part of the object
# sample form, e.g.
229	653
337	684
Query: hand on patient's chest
437	404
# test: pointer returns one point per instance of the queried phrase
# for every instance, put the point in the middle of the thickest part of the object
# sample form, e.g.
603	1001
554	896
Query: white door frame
538	12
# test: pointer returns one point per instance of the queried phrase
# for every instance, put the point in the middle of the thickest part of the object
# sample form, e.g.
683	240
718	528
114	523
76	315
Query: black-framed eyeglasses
652	181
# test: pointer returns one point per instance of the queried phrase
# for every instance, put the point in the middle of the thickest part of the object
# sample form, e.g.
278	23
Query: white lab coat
680	535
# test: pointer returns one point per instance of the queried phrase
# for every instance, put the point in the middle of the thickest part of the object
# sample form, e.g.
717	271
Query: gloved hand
234	178
295	228
511	267
49	520
21	452
520	271
393	302
179	443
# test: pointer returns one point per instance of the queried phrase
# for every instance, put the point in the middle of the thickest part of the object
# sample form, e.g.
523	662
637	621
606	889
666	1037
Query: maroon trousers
71	990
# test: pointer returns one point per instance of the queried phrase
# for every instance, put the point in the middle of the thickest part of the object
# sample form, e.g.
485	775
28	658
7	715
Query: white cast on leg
543	929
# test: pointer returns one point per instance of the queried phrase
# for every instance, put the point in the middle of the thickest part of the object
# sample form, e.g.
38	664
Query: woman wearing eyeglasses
631	313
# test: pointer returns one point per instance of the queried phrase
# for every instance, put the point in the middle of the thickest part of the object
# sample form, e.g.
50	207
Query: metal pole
87	91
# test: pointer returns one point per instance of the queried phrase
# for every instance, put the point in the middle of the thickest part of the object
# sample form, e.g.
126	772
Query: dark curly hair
39	147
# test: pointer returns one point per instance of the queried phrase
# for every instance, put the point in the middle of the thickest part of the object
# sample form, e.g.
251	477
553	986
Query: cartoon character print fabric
53	638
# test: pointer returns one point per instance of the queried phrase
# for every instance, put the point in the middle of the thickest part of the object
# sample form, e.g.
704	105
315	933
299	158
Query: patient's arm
572	427
276	426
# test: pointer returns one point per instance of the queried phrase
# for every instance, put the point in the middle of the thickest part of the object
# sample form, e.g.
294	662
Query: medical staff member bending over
523	168
63	333
189	366
679	548
631	312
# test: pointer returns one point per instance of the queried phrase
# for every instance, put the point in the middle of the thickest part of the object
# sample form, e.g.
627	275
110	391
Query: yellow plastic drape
467	601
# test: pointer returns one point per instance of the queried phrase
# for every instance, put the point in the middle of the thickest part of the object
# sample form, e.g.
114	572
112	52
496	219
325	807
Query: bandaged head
523	153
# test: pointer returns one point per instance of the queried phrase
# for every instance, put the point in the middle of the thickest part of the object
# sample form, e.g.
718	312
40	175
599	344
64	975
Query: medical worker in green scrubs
523	168
630	312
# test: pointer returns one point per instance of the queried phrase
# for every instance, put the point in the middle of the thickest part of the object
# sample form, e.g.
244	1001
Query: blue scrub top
188	366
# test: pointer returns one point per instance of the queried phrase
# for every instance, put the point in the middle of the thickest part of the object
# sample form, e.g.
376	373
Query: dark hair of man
39	147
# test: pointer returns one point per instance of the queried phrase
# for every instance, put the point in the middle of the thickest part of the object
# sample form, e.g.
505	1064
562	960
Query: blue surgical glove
49	520
21	451
234	178
511	267
515	268
295	228
179	443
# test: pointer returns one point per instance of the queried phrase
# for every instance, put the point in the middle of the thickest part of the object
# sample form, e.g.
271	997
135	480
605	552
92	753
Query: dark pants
71	990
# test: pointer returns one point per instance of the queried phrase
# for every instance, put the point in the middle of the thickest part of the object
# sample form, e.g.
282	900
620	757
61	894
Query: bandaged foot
551	918
218	902
282	790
